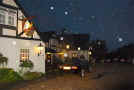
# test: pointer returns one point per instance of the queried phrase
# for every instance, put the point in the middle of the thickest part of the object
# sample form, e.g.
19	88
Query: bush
1	55
32	75
3	60
9	75
26	64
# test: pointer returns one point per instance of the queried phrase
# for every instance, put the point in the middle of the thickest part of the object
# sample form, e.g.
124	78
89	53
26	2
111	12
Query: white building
15	44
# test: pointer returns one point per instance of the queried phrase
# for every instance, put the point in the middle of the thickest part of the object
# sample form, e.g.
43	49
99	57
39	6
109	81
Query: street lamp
67	46
78	48
78	51
61	38
65	55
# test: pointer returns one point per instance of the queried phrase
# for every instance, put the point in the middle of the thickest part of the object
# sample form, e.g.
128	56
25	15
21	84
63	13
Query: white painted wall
10	48
7	32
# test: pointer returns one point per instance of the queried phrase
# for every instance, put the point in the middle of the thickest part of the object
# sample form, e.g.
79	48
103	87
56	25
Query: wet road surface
103	77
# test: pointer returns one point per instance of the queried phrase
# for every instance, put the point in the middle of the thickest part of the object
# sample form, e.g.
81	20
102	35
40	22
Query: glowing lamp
90	53
67	46
61	38
40	48
65	55
78	48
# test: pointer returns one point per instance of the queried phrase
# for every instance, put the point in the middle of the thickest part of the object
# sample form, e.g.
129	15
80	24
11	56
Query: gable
10	2
20	16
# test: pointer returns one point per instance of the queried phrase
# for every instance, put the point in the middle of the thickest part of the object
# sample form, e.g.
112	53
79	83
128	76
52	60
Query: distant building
50	38
52	45
99	49
67	43
19	40
79	45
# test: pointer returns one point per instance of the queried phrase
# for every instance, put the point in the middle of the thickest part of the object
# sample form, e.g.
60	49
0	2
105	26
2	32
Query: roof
50	50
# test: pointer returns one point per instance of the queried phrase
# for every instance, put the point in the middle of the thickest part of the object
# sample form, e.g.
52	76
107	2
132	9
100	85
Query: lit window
24	54
74	55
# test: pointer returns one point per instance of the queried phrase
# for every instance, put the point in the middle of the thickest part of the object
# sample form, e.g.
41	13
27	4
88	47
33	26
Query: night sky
110	20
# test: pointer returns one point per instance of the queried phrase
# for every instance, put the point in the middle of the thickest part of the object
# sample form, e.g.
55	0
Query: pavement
103	77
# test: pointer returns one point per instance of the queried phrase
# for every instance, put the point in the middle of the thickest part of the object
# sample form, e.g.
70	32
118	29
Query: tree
126	51
99	49
3	61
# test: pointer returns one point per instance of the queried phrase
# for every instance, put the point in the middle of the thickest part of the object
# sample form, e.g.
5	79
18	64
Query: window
11	17
24	54
11	20
2	17
8	16
74	54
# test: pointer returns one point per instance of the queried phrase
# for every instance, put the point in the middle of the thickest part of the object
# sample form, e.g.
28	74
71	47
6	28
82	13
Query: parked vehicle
129	61
68	66
122	60
108	61
74	65
115	59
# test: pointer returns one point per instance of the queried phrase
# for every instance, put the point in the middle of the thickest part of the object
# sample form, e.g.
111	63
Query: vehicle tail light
60	67
66	68
74	67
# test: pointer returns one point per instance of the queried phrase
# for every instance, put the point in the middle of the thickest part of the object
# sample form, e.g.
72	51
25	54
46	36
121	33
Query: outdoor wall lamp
90	53
78	48
40	48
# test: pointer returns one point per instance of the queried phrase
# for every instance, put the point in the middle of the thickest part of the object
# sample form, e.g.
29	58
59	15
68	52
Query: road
103	77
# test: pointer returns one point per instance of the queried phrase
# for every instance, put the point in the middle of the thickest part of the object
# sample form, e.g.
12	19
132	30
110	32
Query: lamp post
61	39
65	56
79	51
90	53
79	48
67	46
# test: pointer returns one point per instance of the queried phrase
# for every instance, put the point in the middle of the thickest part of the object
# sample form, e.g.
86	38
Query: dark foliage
9	75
